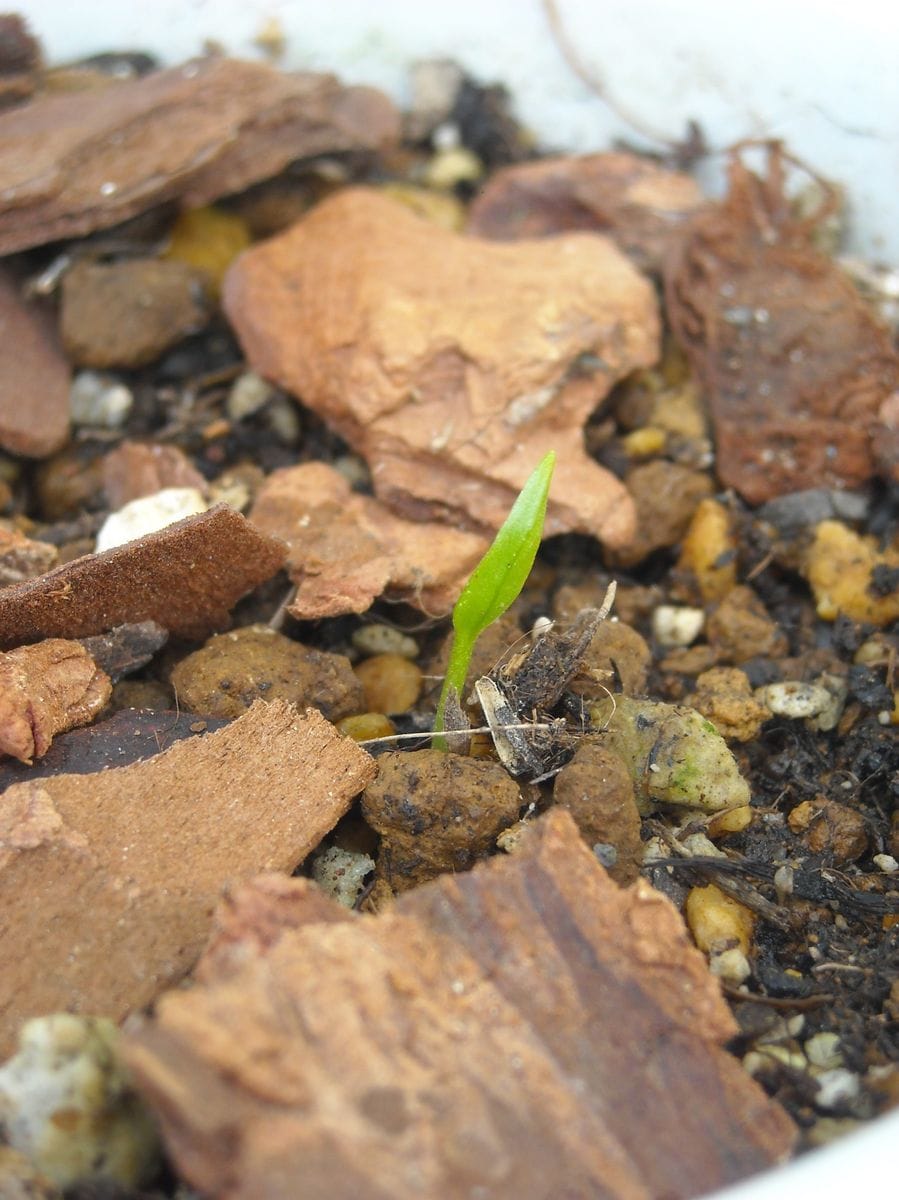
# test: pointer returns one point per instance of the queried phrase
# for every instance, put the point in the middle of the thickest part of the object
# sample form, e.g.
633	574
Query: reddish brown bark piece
44	690
639	204
186	577
525	1030
74	163
34	377
794	363
135	469
451	363
113	877
346	549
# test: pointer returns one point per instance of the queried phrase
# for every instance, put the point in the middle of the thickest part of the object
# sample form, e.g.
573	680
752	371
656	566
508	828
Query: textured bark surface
186	578
346	549
452	364
526	1030
74	163
112	878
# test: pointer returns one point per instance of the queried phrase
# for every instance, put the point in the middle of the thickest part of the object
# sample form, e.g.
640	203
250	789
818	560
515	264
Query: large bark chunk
186	577
451	363
74	163
796	367
527	1030
110	879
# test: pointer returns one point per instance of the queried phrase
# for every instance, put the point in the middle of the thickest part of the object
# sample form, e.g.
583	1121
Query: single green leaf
497	580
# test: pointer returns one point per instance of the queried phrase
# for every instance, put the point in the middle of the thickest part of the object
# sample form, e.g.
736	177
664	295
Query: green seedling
495	582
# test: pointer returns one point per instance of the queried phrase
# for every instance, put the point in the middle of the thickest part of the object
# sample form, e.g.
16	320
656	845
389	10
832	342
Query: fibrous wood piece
108	881
346	549
71	164
186	578
452	364
795	365
524	1030
34	376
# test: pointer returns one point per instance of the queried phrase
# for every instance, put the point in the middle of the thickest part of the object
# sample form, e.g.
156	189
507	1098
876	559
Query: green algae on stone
675	755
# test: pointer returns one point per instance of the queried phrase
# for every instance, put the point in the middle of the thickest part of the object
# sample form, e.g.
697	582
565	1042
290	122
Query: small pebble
365	727
66	1103
209	239
149	513
675	625
249	392
794	699
709	550
99	401
823	1050
698	845
886	863
732	820
836	1088
724	695
717	921
384	639
342	873
730	966
452	166
284	421
392	684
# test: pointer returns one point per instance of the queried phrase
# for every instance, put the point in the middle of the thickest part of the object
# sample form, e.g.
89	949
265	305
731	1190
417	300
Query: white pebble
249	392
99	401
699	845
730	966
149	513
66	1104
836	1087
886	863
341	873
382	639
823	1050
794	699
676	625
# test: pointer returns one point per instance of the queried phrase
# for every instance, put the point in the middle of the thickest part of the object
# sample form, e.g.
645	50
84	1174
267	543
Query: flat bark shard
114	875
75	163
347	549
34	377
525	1030
794	363
452	364
186	578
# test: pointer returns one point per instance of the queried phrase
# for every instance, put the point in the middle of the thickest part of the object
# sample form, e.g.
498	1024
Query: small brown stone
724	695
617	660
392	683
195	132
666	496
633	200
34	377
44	690
830	828
436	812
115	875
135	469
597	790
186	577
125	314
22	557
450	363
740	628
233	670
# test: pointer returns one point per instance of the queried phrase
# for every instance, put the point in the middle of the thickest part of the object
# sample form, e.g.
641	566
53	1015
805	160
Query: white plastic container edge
821	74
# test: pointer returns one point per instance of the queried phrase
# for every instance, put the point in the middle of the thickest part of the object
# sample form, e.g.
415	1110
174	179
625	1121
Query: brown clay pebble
666	495
34	378
724	695
436	812
597	790
740	628
135	469
125	314
186	577
419	326
830	828
392	683
233	670
617	659
22	558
